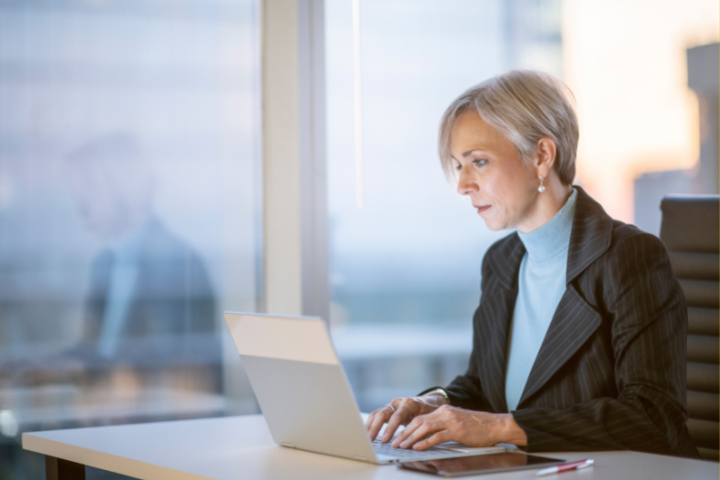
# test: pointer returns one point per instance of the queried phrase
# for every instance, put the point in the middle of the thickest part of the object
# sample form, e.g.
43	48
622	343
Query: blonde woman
580	336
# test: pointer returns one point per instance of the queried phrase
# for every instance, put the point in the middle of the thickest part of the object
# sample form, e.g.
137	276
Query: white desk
241	447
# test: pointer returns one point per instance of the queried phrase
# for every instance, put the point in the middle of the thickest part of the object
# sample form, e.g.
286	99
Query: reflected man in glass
150	306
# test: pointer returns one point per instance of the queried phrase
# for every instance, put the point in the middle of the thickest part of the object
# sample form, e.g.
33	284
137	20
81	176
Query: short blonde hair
524	106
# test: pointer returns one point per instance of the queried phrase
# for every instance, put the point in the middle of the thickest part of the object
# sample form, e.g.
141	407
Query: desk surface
241	447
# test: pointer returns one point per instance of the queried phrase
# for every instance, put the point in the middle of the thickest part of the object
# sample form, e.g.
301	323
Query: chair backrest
690	231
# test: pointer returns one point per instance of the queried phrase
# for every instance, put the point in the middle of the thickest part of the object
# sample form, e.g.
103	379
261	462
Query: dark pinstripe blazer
610	374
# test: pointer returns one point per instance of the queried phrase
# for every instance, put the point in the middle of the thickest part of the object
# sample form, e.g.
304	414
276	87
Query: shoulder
593	227
631	246
635	273
629	255
635	283
598	242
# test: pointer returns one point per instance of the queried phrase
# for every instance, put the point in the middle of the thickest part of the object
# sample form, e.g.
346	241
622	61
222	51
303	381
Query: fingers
398	412
434	439
422	427
440	420
377	419
447	423
416	423
399	417
406	433
374	423
369	420
406	409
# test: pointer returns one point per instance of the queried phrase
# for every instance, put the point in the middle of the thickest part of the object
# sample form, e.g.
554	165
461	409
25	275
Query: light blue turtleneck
541	285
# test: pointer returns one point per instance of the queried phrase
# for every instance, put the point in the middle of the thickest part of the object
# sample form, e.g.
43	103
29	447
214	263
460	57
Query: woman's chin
491	225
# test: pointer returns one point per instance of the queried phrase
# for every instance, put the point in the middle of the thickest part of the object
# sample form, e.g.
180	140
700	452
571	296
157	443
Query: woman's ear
545	158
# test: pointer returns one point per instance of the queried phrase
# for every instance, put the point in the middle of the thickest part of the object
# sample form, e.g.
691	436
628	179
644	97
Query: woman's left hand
473	428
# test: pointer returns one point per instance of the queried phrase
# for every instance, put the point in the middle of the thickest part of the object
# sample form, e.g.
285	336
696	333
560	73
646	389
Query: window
129	206
405	267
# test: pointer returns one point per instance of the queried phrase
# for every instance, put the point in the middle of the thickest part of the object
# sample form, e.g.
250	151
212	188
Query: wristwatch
437	390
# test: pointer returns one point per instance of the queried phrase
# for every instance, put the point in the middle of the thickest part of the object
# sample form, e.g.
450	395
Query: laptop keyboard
387	449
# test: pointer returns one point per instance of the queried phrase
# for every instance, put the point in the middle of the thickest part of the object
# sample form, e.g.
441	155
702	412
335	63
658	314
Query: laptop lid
300	384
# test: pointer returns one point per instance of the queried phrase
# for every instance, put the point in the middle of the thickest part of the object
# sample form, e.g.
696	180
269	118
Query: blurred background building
131	198
702	178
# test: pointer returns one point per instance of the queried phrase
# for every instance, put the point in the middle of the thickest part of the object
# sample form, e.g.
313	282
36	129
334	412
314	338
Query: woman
580	336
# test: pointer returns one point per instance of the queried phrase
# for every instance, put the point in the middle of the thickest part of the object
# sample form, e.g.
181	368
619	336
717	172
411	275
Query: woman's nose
466	185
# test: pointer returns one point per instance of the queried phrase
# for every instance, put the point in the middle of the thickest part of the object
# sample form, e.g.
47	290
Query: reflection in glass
128	212
150	306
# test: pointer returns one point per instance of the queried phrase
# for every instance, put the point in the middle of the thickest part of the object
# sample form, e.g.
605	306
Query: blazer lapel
573	323
496	313
590	237
574	320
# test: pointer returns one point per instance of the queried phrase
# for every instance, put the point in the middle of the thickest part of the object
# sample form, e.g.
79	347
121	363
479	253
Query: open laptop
304	394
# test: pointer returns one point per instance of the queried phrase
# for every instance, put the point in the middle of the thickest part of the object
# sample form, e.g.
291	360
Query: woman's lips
482	208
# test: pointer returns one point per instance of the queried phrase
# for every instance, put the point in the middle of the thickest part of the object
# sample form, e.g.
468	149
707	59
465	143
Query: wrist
436	399
511	432
439	397
431	400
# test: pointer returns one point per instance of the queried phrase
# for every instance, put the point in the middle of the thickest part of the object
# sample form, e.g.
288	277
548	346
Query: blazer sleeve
466	391
646	307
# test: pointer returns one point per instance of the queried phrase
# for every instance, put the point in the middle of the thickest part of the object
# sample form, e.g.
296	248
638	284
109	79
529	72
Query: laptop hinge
287	445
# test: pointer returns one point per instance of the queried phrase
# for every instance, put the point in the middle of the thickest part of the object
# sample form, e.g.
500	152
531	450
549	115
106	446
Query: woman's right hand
401	411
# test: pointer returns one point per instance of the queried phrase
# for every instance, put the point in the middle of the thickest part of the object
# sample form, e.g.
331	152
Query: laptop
305	396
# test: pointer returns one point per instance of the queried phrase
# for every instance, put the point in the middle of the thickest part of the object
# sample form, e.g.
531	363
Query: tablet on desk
478	464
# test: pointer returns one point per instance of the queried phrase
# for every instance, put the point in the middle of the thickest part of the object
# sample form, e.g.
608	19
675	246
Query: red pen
567	466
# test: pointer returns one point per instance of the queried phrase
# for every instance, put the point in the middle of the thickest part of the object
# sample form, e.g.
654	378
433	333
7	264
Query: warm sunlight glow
625	60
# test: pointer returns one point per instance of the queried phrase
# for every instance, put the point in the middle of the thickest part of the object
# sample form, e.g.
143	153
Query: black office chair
690	231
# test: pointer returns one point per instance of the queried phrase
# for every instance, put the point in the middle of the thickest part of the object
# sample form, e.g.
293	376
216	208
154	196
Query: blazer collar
590	237
505	262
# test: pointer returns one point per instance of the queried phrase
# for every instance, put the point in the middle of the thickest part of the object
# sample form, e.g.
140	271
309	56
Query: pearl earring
541	188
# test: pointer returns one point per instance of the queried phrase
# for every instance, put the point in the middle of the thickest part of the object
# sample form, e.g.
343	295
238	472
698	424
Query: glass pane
406	266
128	212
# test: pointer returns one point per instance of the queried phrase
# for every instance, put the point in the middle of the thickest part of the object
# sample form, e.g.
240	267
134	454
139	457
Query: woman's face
502	187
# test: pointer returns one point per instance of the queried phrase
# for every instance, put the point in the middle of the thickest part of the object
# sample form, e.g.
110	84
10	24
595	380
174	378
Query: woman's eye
479	162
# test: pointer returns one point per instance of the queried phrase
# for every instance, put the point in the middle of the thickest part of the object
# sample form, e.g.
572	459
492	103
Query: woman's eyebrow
471	151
